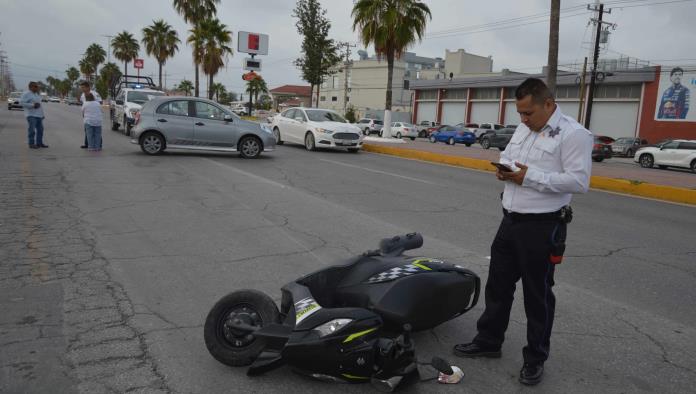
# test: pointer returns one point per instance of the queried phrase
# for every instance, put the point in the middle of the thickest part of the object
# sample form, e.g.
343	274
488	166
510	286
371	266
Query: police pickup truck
130	93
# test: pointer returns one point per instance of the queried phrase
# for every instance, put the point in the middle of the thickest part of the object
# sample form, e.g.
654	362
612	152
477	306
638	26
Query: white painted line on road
379	172
250	175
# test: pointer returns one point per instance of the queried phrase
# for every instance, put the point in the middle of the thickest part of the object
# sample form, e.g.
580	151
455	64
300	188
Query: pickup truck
130	93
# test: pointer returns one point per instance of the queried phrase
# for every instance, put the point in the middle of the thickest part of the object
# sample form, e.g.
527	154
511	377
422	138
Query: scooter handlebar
400	243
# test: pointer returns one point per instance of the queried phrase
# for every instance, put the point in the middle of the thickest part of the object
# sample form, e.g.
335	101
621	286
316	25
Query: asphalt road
110	261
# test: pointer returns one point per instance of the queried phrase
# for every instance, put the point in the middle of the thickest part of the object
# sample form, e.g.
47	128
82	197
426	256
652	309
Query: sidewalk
617	167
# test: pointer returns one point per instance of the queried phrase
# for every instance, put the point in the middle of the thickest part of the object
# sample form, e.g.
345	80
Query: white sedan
316	128
402	129
675	153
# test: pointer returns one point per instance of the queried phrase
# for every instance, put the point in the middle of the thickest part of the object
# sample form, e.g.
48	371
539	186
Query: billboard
677	84
255	43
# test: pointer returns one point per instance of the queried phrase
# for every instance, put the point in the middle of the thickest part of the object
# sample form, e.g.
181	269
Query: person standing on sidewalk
31	102
550	159
92	114
86	88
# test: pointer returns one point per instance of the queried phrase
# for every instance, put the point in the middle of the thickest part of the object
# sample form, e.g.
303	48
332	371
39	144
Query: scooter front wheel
231	345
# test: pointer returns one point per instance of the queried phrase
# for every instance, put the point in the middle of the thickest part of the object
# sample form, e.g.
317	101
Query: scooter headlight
332	326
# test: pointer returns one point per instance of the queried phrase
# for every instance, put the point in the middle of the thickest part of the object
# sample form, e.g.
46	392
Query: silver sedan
198	124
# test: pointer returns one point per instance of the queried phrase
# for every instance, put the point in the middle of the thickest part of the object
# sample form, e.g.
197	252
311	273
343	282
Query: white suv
316	128
127	105
675	153
369	126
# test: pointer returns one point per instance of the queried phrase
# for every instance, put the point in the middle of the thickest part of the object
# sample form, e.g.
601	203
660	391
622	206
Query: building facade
625	102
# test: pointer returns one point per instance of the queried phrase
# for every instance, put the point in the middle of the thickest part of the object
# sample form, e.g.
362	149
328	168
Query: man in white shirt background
86	88
31	102
548	159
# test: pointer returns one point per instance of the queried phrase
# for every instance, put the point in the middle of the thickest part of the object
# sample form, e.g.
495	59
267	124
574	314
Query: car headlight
133	112
332	326
266	128
320	130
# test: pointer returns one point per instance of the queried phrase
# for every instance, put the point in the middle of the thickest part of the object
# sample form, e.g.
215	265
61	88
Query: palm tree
391	26
211	42
109	73
73	75
186	86
194	12
96	55
219	90
256	86
125	49
160	41
87	68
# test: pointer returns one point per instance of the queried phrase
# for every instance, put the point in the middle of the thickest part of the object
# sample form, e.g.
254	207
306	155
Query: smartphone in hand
502	167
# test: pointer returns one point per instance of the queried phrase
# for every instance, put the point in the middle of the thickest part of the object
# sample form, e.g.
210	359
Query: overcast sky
45	37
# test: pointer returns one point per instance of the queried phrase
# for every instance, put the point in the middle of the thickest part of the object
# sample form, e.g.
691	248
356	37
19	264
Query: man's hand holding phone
505	173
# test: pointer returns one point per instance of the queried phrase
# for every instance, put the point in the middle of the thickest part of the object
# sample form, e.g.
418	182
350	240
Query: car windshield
624	140
325	116
142	97
15	95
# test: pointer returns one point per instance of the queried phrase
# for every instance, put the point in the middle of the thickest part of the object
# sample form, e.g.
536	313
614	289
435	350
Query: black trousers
521	250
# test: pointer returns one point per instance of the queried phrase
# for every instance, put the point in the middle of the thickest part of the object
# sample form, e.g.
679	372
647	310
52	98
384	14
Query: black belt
547	216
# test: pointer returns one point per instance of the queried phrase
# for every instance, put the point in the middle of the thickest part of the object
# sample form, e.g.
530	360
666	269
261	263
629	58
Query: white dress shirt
559	158
92	113
96	95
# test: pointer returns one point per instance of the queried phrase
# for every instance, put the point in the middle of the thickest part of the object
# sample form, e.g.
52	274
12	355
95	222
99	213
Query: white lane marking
250	175
379	172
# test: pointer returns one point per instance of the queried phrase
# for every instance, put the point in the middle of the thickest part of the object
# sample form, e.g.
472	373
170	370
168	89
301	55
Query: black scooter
345	323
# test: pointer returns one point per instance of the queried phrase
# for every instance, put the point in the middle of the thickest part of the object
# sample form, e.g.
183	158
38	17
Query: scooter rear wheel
232	346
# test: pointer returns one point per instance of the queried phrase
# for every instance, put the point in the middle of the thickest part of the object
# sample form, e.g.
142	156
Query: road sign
254	43
251	64
138	63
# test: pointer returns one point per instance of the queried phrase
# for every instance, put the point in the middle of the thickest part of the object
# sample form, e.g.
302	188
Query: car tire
630	153
276	134
413	138
422	134
598	159
366	131
309	143
152	143
500	148
114	124
126	126
398	135
693	166
646	160
353	150
467	145
237	348
485	143
432	139
250	147
450	141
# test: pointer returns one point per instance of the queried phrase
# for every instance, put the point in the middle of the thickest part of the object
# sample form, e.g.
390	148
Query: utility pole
108	43
582	89
552	62
593	77
346	64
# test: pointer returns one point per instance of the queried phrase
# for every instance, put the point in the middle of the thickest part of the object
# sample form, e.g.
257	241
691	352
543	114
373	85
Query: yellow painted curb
636	188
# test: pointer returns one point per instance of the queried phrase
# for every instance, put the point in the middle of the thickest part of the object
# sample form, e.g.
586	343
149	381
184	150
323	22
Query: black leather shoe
531	373
33	147
43	146
473	349
83	146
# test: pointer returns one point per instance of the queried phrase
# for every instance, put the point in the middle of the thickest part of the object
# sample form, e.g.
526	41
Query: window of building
455	94
428	95
617	91
334	98
567	92
486	93
334	82
322	98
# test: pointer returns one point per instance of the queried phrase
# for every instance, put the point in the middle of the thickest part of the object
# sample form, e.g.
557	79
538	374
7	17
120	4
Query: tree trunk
210	88
311	94
125	70
196	87
160	75
386	128
318	89
552	63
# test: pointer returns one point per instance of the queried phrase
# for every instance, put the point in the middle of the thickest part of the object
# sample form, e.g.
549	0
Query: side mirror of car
119	102
228	118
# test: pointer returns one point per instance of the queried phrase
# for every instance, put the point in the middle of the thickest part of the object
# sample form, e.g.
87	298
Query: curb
624	186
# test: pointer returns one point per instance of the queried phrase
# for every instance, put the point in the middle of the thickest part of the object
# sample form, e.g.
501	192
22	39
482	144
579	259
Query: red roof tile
298	90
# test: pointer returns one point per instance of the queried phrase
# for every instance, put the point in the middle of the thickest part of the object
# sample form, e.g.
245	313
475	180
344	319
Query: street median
625	186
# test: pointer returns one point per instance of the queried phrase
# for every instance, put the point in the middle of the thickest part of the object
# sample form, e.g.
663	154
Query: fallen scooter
345	323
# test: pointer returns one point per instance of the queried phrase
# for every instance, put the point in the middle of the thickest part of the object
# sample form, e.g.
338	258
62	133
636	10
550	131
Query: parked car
402	129
13	101
600	150
486	127
54	99
424	126
193	123
316	128
497	138
453	135
74	101
370	126
605	139
675	153
627	146
128	103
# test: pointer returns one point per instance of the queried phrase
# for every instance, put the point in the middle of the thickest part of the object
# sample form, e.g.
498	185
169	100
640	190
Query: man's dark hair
84	83
676	70
89	97
534	87
33	83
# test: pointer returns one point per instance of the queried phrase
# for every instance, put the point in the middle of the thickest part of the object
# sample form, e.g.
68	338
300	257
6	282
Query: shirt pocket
544	149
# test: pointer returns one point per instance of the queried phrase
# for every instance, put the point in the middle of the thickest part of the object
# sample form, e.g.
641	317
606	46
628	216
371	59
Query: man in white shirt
550	158
86	88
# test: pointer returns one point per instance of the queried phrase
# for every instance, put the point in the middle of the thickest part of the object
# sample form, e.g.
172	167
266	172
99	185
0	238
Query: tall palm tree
256	86
87	68
109	73
219	90
160	41
73	75
391	26
194	12
211	42
186	86
96	55
125	48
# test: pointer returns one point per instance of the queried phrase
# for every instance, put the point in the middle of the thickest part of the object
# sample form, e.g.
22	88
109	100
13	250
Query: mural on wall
673	97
